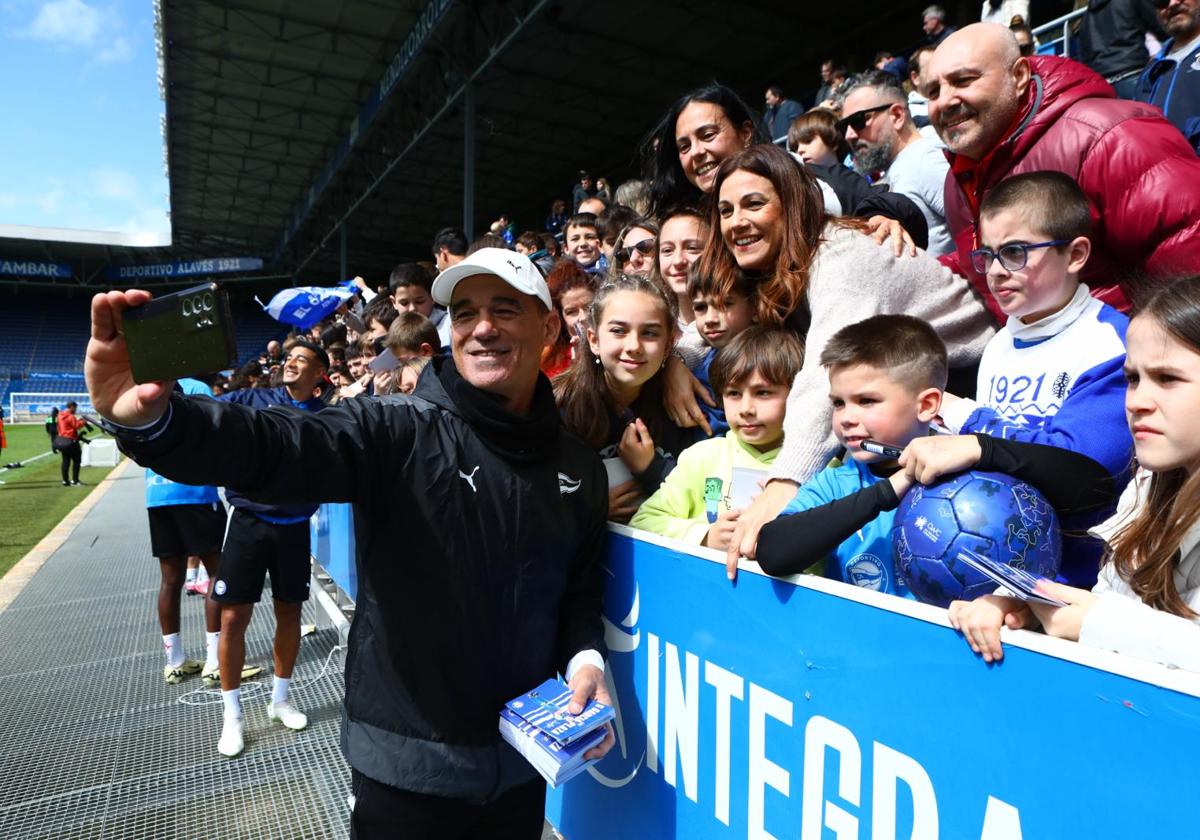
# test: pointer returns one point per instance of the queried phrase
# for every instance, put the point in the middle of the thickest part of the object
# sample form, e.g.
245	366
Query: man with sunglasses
1172	79
1001	114
887	143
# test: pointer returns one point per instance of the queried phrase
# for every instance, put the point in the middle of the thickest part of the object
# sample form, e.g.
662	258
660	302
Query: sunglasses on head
858	119
645	248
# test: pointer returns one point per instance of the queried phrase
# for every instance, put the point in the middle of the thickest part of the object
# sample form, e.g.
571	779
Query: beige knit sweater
853	279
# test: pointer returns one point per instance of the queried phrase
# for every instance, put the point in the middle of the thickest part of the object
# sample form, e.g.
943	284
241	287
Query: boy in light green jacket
700	501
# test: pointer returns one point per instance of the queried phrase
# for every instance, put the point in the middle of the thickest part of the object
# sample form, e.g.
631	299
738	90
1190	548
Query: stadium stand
45	337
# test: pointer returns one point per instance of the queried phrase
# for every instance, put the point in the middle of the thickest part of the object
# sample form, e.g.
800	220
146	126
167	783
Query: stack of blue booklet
538	725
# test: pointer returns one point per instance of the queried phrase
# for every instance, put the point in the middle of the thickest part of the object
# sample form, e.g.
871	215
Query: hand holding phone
114	393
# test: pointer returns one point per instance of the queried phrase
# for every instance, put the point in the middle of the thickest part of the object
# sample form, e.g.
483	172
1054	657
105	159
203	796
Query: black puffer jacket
478	576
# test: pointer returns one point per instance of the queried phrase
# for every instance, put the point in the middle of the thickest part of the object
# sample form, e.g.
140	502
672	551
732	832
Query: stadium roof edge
323	137
147	239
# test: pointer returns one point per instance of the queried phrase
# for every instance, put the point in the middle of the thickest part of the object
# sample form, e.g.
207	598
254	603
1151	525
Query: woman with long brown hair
814	274
1146	602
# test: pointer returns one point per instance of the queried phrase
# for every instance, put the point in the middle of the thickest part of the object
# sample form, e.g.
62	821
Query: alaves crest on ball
989	513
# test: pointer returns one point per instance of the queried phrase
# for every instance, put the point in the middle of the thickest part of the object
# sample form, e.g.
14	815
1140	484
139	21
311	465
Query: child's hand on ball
901	483
926	459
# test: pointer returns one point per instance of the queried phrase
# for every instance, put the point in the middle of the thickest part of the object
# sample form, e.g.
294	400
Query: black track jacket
478	578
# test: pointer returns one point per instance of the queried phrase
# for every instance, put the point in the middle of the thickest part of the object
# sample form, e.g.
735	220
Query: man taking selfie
495	585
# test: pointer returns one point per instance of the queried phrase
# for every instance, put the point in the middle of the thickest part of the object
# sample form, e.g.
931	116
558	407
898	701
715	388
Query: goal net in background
28	406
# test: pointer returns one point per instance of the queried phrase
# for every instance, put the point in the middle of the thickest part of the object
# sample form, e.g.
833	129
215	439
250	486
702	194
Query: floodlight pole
469	160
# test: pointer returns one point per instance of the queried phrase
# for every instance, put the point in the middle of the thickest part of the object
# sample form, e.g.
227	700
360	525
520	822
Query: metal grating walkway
93	743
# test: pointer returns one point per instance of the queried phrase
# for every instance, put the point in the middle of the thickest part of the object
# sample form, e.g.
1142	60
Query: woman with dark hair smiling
815	274
700	130
710	124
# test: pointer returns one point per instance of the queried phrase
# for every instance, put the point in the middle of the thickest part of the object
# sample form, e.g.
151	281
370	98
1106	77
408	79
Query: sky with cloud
80	139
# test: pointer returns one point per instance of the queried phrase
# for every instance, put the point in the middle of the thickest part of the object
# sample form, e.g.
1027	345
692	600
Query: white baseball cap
517	270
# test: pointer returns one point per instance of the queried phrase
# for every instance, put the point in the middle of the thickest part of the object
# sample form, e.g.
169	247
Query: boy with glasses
1053	374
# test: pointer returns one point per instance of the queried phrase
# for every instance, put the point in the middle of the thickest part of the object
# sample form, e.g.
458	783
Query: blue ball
988	513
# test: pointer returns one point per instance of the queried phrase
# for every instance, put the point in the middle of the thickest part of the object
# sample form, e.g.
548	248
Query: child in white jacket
1146	602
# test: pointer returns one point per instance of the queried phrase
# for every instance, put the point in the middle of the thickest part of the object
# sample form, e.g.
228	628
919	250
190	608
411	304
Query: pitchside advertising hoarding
808	708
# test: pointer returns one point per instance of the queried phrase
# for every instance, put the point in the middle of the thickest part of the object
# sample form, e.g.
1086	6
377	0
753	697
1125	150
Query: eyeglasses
645	248
858	120
1013	257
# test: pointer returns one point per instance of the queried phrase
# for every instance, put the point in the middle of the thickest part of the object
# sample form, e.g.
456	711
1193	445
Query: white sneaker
288	715
232	742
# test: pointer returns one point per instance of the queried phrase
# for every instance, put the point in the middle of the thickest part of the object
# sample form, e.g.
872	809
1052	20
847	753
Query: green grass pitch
32	498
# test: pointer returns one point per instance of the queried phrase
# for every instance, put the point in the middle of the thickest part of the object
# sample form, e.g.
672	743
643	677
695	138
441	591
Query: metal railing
1060	29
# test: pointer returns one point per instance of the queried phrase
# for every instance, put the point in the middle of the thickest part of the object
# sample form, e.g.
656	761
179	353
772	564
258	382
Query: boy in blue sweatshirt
886	376
1053	375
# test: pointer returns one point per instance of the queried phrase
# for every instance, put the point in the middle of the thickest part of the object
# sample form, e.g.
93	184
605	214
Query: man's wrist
139	434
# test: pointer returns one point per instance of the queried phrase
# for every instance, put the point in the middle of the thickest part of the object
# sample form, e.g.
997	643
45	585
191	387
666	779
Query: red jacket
69	426
1141	176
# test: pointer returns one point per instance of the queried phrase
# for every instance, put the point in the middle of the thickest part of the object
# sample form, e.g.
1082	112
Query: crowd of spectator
930	244
970	256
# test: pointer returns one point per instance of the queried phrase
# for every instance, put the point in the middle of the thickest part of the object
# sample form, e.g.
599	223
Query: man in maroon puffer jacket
1000	115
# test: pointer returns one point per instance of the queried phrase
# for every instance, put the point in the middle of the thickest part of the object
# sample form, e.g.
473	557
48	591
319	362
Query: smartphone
877	448
187	333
